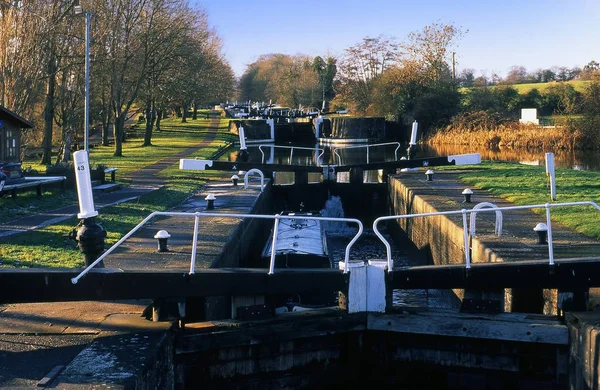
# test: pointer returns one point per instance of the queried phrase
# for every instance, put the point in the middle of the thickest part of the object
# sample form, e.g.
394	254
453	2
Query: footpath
142	182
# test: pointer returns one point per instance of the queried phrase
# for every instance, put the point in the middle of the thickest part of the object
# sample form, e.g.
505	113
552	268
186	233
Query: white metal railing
478	206
262	178
322	151
197	217
335	151
464	213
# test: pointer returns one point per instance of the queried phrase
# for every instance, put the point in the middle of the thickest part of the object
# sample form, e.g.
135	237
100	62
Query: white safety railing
464	213
368	147
262	178
292	148
197	217
479	206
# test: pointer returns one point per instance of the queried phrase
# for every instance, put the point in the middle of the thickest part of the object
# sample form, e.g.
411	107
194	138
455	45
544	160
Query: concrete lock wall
441	239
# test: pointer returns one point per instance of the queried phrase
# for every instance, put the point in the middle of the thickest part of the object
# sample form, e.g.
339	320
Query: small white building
529	116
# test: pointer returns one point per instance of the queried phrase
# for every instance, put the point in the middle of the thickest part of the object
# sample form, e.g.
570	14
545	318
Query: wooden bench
112	172
36	182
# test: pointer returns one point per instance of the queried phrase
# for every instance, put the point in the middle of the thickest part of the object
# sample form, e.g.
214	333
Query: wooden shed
10	134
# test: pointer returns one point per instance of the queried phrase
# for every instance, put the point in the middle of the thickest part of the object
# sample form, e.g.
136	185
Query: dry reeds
488	132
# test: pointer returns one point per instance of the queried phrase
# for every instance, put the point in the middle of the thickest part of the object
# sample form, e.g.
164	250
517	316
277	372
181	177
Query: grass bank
579	85
525	184
51	247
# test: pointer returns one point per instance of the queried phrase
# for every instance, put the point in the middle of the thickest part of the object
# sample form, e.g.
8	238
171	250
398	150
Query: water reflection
322	155
579	159
363	153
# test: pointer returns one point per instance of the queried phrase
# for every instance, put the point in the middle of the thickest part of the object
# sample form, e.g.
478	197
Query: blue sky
501	33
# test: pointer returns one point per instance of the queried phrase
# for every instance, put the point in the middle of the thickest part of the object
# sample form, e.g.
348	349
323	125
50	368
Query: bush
60	169
585	130
476	120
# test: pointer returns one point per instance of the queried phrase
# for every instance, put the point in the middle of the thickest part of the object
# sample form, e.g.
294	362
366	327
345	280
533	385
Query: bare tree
362	64
516	75
173	21
431	46
20	74
285	79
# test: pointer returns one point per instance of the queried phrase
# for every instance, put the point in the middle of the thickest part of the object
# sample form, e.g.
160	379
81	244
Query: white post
318	122
551	174
84	185
87	81
242	139
413	134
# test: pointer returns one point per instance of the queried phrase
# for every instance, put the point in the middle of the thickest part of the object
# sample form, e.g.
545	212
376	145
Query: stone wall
441	238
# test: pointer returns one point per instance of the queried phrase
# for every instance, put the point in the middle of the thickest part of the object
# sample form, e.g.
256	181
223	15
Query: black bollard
410	151
429	175
243	155
467	193
90	239
541	229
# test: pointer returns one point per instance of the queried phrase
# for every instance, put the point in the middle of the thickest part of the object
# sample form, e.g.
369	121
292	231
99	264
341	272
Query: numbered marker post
84	185
551	174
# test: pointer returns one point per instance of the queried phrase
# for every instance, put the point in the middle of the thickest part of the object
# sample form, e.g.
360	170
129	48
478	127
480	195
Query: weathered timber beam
53	285
566	274
47	285
413	163
448	322
305	324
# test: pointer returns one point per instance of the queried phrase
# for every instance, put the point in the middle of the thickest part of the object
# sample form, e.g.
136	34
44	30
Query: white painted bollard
84	185
551	174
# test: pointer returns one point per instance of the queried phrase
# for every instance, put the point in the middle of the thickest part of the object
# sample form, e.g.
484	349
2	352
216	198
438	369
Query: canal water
587	160
388	151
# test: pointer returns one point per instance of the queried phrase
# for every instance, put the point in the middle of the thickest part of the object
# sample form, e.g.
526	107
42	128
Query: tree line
413	79
378	76
154	55
520	75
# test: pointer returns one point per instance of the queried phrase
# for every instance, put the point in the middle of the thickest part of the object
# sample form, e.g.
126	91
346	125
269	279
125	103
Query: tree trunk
195	112
159	114
119	132
184	113
65	152
149	124
105	130
106	124
49	113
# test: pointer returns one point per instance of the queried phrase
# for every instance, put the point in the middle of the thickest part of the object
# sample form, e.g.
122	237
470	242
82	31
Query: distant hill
579	86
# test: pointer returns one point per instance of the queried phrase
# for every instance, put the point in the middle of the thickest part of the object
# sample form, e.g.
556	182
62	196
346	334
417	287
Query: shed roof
5	113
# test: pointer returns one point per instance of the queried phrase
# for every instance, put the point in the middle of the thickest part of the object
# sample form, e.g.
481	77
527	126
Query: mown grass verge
51	246
524	185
